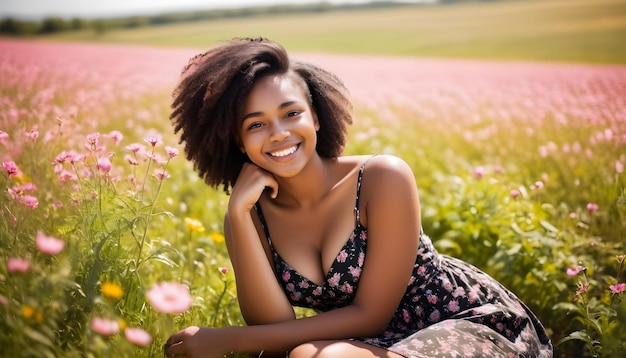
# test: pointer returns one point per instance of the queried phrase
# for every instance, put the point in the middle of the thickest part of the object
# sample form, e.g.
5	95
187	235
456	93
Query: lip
284	152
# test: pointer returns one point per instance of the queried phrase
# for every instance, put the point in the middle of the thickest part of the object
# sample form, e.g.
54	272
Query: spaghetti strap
357	212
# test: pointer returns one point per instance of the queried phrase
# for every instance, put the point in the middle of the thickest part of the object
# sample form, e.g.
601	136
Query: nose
279	132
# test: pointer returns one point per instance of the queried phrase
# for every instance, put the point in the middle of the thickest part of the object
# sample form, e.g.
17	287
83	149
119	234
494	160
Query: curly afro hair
208	101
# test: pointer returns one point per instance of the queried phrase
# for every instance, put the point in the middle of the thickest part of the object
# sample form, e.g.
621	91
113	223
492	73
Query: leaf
546	225
38	337
577	335
568	307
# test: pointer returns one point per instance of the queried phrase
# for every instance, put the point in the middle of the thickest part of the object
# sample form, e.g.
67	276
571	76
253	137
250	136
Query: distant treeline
16	27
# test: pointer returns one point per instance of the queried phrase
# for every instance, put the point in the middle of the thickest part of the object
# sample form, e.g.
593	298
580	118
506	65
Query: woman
309	227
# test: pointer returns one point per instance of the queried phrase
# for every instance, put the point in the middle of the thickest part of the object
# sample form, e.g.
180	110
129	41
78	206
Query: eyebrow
257	114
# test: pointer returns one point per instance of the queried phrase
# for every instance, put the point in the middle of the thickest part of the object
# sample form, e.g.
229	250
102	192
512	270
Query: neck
308	187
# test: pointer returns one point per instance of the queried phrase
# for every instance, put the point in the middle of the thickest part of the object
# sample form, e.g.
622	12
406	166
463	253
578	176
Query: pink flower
104	165
514	193
10	167
15	264
32	134
48	244
223	270
574	271
153	140
619	166
116	136
131	160
592	207
539	184
161	174
171	152
479	172
618	287
92	141
138	336
29	201
4	301
169	297
135	148
105	327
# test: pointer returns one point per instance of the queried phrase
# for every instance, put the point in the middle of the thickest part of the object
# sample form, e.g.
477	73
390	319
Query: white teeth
284	153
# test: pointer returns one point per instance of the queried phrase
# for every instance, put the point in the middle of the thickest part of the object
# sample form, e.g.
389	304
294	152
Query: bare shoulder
388	167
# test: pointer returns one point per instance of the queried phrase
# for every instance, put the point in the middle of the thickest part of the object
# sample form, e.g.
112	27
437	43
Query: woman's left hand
196	342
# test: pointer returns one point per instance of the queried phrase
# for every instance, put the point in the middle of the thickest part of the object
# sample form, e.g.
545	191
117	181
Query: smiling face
278	129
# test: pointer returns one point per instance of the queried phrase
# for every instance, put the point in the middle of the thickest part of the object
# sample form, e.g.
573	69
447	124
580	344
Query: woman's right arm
261	299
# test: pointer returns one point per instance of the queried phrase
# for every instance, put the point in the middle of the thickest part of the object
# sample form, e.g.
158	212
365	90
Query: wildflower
15	264
539	184
135	148
3	300
161	174
171	152
619	166
105	327
10	167
479	172
29	201
618	287
112	290
514	193
574	271
104	165
169	297
92	141
48	244
3	135
153	140
32	134
116	136
131	160
28	311
194	225
592	207
223	270
217	237
582	288
138	336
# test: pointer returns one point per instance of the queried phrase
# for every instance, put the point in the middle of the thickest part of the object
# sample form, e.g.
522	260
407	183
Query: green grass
588	31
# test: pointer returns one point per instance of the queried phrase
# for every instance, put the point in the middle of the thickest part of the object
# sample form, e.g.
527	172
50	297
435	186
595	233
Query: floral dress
450	308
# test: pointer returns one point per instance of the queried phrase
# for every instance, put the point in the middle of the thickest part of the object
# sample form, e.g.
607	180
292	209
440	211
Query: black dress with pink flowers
450	308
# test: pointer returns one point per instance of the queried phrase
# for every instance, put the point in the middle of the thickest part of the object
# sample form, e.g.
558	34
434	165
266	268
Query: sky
38	9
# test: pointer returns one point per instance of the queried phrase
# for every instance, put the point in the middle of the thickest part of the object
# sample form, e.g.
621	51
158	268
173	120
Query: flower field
109	241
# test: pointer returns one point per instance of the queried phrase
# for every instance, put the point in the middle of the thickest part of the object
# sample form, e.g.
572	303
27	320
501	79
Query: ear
316	122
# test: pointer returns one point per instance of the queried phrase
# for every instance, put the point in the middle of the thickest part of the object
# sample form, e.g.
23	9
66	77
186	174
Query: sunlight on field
554	30
520	167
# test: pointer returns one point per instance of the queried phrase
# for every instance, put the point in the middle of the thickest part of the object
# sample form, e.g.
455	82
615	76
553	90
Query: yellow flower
28	311
122	323
112	290
217	237
39	316
194	225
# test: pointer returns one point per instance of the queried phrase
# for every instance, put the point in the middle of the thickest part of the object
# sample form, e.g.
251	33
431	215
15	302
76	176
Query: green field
590	31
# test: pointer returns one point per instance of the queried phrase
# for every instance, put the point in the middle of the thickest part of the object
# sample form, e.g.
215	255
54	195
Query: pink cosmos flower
138	336
171	152
116	136
153	140
573	271
592	207
105	327
15	264
92	141
104	165
48	244
618	287
135	147
514	193
10	167
29	201
161	174
169	297
479	172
